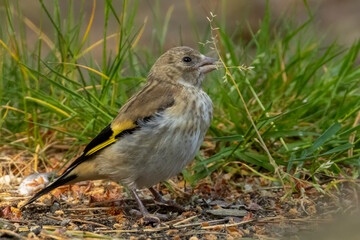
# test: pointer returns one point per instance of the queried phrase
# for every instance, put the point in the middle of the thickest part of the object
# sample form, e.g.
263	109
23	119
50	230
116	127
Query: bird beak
207	64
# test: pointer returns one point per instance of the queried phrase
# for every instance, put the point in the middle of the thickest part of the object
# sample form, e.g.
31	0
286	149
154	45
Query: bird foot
150	218
159	199
171	204
155	218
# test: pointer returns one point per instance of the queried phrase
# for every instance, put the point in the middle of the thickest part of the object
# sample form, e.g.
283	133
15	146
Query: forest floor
225	206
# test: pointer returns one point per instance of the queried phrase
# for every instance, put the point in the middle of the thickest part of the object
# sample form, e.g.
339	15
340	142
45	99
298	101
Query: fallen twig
90	222
11	233
227	225
185	220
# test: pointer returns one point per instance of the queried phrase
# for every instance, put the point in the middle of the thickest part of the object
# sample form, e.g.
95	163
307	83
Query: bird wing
151	100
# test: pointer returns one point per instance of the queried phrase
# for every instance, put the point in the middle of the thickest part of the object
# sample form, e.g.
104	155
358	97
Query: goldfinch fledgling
157	132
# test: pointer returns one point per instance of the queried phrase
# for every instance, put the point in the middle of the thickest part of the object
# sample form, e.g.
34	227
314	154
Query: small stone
55	207
35	229
65	222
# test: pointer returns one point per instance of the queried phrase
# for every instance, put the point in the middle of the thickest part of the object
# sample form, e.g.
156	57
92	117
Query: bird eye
186	59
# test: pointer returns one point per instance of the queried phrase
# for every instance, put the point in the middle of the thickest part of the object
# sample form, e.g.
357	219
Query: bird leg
146	215
159	198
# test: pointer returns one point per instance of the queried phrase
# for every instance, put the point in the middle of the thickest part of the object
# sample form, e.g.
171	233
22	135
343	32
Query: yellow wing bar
116	129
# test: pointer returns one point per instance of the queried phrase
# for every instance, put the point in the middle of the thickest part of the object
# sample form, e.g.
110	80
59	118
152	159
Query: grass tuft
294	112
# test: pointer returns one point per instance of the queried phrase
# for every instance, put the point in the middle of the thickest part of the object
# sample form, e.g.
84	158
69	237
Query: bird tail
58	182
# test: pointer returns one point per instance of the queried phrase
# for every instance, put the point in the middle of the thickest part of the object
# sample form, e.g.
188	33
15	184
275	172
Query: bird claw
172	204
151	218
160	200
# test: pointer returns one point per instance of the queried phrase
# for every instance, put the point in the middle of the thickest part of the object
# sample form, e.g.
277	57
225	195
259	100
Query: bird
156	133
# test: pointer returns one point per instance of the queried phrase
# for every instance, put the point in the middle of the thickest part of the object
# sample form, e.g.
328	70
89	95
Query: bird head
182	65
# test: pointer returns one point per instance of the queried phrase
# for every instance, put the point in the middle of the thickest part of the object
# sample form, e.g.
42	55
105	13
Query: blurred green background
338	19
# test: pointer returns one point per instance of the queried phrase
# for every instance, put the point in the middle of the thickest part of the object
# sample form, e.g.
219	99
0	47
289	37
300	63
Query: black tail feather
58	182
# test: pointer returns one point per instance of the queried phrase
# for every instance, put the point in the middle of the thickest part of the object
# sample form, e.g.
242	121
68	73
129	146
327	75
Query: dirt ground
224	206
213	210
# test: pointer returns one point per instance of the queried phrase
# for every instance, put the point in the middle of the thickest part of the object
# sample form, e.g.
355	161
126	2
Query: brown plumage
156	133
